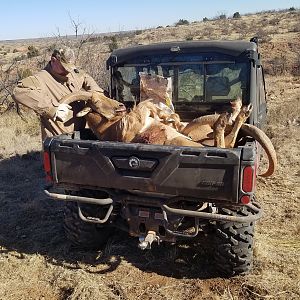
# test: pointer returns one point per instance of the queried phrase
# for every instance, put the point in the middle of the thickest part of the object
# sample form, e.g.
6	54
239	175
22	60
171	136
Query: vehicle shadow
31	223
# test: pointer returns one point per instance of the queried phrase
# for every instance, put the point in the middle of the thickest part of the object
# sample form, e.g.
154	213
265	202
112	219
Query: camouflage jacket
43	91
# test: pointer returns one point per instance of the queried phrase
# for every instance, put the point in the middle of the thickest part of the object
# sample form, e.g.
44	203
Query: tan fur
219	129
147	122
240	119
144	118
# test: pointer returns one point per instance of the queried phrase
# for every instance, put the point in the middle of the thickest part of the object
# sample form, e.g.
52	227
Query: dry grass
19	134
38	263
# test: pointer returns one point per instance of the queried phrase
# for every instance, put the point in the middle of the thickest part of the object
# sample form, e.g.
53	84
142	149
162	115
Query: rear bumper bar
87	200
256	212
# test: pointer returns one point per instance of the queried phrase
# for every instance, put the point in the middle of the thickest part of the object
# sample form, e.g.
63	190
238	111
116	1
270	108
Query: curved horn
267	145
204	120
78	96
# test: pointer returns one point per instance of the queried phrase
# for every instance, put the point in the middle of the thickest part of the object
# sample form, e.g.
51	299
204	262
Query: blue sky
33	18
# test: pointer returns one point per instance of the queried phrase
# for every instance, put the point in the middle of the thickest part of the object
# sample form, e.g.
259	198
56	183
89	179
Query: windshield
191	82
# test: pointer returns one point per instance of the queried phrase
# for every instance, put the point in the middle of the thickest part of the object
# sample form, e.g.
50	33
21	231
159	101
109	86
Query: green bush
114	44
32	52
236	15
205	19
182	22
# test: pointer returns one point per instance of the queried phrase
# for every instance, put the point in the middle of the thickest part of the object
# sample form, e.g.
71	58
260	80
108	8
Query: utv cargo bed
204	173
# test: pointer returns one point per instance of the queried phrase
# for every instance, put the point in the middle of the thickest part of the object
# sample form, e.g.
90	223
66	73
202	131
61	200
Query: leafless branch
75	24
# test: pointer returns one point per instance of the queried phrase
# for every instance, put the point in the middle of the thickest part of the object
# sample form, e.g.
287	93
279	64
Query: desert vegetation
36	260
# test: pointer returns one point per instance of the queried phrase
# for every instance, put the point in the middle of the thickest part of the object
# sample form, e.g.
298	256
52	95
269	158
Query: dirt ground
36	261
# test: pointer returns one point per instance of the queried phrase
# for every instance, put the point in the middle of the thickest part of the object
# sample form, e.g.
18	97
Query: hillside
37	262
278	34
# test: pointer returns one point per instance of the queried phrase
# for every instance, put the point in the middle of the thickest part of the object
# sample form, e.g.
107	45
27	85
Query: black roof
234	48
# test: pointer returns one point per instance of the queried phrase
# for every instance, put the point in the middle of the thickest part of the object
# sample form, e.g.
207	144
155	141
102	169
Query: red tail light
245	199
47	166
248	174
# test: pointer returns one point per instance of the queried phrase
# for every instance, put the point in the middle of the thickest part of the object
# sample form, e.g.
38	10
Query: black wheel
234	243
83	234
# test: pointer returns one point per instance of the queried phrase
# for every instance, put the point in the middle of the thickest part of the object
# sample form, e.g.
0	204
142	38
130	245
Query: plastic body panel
208	174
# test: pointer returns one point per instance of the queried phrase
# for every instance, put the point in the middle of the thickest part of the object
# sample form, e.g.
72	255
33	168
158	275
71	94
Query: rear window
192	81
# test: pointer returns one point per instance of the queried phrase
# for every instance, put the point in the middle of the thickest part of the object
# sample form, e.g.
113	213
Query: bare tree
8	79
58	31
75	24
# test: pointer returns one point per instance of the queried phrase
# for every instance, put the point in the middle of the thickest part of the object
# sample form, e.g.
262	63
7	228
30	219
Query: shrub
114	44
295	70
295	28
236	15
173	32
20	57
189	37
23	73
266	39
51	47
32	52
182	22
15	50
274	22
106	38
261	34
222	17
276	66
94	39
225	30
292	9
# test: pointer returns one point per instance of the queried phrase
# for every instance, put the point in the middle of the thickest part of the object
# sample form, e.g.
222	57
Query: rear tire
83	234
234	243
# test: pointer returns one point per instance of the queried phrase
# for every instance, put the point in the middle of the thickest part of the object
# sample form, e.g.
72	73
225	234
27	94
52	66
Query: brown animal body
147	123
223	124
109	121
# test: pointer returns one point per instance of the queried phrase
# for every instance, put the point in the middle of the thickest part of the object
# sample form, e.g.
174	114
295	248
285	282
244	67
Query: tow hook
145	242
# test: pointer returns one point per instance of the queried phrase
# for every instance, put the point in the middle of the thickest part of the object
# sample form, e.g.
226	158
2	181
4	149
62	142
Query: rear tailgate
204	173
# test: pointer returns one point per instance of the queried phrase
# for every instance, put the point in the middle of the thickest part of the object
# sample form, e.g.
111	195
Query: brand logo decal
134	162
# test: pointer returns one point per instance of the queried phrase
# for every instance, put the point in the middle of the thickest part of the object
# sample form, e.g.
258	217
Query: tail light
47	166
248	175
245	199
248	182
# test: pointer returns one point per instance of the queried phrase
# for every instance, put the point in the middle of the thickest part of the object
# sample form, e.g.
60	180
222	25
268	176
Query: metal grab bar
80	199
212	216
95	220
